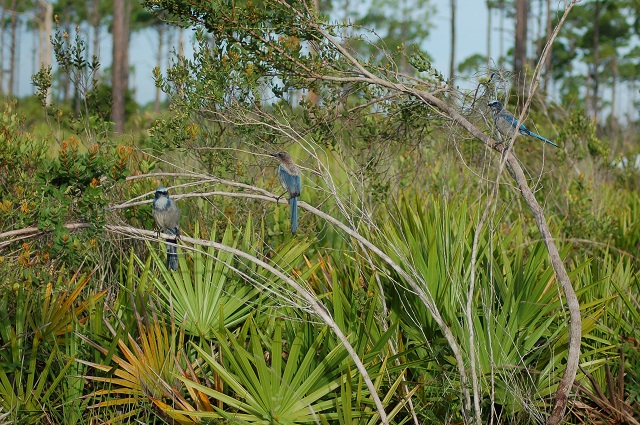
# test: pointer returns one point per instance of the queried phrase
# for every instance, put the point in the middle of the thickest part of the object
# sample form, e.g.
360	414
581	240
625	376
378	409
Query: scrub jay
167	216
506	123
290	178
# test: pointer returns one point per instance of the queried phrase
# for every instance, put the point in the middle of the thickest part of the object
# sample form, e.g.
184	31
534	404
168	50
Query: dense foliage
95	329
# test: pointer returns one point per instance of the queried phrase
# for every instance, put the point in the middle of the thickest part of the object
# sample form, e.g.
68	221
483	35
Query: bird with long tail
289	176
167	216
506	123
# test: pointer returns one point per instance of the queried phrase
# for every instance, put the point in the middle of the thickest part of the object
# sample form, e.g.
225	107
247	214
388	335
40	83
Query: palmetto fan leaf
146	369
203	295
277	383
213	289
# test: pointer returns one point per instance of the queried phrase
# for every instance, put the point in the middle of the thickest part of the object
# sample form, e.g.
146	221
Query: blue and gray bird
506	123
290	178
167	216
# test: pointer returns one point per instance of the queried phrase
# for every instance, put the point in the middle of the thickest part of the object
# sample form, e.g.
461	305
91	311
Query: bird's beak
275	155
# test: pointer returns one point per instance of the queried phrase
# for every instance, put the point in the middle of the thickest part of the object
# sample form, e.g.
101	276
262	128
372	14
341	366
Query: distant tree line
593	59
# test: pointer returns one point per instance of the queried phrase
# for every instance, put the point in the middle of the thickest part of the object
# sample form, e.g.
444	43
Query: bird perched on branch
506	123
167	216
290	178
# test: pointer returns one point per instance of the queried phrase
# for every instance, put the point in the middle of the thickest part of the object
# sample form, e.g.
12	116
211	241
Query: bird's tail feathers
293	204
172	255
537	136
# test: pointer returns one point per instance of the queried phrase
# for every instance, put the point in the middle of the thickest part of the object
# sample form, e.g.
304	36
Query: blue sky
471	32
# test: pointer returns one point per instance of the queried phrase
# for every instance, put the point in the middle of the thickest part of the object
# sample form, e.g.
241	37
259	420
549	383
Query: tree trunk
596	58
39	17
95	24
347	14
489	10
180	42
632	98
311	95
614	86
452	64
547	61
127	39
161	33
3	6
403	65
538	41
66	79
46	29
502	13
588	87
12	46
119	66
520	50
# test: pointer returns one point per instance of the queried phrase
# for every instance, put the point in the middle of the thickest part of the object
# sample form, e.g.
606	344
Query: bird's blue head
161	191
495	105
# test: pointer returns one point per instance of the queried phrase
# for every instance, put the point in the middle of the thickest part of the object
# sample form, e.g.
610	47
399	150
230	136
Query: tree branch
575	329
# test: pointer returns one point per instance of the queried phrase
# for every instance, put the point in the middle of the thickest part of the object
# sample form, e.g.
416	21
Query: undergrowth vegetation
390	272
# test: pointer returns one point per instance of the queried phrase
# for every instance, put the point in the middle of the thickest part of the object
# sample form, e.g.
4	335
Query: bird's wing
509	118
290	182
297	186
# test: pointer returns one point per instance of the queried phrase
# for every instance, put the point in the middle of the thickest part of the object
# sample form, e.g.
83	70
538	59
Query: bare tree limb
575	329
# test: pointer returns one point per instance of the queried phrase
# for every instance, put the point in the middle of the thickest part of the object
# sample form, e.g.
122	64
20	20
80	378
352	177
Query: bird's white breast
162	203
